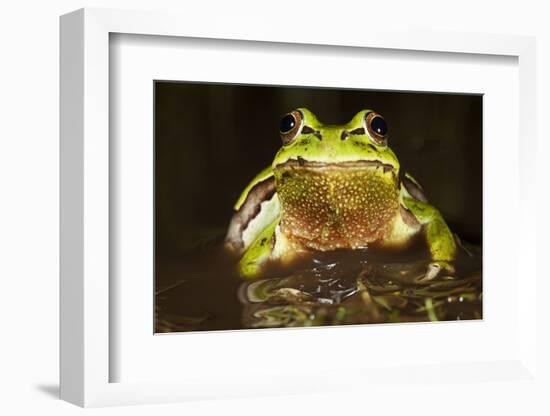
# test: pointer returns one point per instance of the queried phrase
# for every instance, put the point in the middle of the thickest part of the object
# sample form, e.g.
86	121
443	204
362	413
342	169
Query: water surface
202	291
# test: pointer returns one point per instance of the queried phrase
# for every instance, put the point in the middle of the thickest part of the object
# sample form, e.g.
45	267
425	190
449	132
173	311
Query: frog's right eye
290	126
377	128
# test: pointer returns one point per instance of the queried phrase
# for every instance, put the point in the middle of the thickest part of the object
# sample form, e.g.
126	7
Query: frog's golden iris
331	187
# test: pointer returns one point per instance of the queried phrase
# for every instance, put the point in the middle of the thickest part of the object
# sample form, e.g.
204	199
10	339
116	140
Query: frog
332	187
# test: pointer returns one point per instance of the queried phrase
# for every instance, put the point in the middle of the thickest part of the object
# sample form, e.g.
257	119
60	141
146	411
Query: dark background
212	139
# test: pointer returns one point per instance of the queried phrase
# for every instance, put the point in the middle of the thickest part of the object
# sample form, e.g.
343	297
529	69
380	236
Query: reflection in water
201	291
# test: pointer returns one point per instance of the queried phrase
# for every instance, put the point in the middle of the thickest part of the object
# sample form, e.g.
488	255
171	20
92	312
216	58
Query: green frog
333	187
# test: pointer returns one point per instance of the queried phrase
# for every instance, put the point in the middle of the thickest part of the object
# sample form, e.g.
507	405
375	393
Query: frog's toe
249	269
436	269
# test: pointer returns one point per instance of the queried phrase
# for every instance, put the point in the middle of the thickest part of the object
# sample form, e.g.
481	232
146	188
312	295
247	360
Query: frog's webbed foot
436	269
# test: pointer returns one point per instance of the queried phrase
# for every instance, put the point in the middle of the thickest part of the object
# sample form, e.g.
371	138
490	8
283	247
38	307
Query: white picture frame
86	165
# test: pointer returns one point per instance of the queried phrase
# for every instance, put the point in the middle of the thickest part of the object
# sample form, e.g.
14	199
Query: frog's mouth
301	163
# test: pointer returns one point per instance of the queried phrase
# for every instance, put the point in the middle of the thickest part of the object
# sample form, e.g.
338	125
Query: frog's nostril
344	135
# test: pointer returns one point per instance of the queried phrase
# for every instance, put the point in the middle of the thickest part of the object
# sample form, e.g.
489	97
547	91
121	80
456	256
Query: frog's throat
326	206
301	163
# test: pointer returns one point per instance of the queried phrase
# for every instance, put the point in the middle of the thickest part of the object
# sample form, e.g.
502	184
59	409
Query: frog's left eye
290	127
377	127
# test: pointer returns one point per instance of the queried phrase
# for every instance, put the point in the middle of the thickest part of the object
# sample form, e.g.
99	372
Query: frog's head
337	184
308	143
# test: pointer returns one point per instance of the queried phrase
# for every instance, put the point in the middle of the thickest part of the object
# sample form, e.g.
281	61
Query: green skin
282	225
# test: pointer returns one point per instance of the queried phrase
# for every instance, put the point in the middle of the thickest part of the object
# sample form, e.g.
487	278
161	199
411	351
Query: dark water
201	290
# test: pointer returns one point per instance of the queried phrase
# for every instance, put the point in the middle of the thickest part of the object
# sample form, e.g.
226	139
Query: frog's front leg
251	232
258	251
439	237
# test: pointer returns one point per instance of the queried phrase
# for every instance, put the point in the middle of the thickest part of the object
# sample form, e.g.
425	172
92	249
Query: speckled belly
331	207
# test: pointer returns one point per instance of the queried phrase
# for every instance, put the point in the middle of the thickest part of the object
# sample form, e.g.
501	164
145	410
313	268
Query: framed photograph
282	213
334	231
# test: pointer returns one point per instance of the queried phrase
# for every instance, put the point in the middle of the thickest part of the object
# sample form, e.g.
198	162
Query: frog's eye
290	127
377	128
